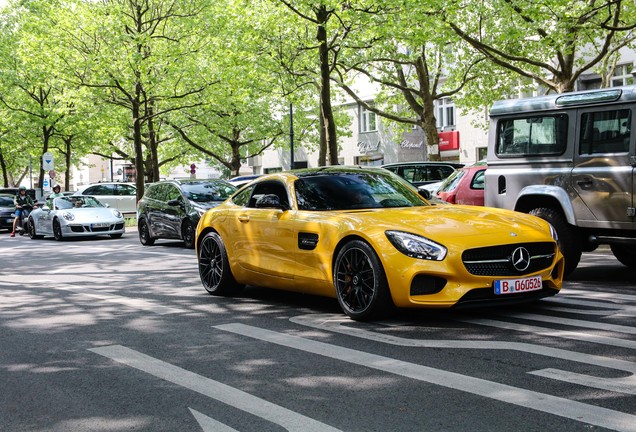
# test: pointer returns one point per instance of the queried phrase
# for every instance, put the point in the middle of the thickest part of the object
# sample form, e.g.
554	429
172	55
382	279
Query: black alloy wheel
361	286
57	230
144	233
214	268
188	234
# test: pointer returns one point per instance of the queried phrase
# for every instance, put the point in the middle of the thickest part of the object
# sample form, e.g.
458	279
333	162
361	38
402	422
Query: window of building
445	113
623	75
375	160
367	120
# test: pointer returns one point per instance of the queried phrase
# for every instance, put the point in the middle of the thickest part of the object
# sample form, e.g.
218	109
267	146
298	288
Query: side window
152	191
172	193
242	198
478	180
269	188
532	136
100	190
605	132
127	190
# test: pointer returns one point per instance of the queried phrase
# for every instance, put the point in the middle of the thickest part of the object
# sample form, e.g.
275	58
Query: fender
555	192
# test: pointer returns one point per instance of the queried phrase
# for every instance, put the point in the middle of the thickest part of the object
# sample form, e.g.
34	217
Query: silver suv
569	159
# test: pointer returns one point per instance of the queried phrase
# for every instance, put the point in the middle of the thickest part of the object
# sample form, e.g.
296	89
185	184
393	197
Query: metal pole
30	173
291	135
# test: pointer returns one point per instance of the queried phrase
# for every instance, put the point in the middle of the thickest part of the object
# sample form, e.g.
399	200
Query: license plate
9	220
513	286
100	225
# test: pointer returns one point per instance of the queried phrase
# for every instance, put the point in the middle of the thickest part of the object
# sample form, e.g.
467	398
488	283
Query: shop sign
448	140
406	144
367	147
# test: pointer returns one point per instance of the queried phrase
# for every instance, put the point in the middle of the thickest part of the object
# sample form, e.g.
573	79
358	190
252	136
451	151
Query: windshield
6	202
208	191
72	201
451	182
347	191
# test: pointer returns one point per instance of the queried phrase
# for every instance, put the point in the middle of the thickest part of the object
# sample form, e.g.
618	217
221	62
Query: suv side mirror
425	193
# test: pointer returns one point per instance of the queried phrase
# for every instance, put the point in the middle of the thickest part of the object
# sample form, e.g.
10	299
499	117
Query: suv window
532	136
100	190
605	132
124	189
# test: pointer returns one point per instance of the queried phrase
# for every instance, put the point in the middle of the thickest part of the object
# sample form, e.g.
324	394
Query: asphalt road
108	335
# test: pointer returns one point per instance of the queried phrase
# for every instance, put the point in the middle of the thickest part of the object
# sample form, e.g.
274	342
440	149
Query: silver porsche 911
75	216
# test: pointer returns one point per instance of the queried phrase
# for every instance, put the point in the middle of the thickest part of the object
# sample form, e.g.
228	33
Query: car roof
424	163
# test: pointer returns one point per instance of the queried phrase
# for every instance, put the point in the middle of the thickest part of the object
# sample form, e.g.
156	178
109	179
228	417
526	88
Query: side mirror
425	193
270	201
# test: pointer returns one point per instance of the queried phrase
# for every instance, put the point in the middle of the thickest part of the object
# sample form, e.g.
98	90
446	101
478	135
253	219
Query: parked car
7	211
569	159
421	173
366	238
171	209
120	196
242	180
75	216
466	186
14	191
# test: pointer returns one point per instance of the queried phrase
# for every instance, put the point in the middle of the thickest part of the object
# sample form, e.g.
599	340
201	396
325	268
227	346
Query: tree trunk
326	111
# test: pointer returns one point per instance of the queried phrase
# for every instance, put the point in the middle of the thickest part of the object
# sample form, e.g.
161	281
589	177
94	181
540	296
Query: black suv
171	209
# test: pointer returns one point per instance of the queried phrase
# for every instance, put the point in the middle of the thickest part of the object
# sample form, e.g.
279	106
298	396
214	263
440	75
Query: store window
368	121
375	160
623	75
445	114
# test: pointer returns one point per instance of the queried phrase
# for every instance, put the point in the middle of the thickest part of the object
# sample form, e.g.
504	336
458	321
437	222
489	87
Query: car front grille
498	260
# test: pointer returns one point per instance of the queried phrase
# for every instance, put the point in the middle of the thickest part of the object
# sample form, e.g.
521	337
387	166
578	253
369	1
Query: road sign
47	161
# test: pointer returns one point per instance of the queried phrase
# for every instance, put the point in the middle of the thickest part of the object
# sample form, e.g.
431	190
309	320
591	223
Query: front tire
569	241
625	254
144	234
188	234
361	286
57	230
214	267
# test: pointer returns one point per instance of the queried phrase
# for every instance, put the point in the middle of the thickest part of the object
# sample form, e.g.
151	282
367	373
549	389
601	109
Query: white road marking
561	407
574	322
209	424
627	384
565	334
288	419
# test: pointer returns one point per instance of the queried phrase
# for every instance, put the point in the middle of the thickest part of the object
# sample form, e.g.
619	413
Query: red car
465	186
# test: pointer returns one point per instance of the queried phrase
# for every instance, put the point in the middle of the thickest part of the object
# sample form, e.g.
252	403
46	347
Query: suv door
603	175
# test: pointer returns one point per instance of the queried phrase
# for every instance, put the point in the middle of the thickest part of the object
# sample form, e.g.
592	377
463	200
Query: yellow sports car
367	238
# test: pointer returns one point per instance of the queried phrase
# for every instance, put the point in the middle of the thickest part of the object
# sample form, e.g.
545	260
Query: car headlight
117	214
68	216
416	246
553	233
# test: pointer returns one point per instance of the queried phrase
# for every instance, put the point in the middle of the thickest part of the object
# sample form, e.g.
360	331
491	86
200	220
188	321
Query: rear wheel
57	230
214	267
188	234
32	233
361	286
144	234
625	254
569	241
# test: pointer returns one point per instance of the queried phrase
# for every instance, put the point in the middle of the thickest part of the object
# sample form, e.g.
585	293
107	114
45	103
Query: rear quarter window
532	136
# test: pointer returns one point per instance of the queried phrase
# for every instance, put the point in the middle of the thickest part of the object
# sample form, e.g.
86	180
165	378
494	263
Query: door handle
244	218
